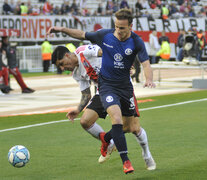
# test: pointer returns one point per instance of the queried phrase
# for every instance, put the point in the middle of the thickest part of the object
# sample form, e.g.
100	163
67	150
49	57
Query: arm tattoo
86	96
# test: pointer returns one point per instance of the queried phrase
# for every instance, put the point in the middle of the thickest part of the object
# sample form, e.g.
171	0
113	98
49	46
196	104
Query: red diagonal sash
89	69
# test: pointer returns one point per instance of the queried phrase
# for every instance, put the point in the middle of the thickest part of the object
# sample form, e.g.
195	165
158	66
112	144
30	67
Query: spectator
12	5
115	7
56	10
137	68
100	9
17	10
74	6
180	43
191	12
138	7
46	48
35	10
65	8
47	8
30	7
24	9
6	8
109	7
182	8
124	4
12	63
180	2
164	12
163	37
153	5
202	42
154	46
172	10
164	52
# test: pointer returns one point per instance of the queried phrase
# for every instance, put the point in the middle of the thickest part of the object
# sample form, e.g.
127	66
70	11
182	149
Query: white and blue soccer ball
18	156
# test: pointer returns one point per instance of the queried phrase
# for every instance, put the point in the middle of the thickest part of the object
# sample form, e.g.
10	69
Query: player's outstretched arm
86	96
75	33
148	74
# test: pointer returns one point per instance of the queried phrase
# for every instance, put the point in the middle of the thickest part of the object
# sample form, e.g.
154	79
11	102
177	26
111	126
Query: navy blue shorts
117	93
96	105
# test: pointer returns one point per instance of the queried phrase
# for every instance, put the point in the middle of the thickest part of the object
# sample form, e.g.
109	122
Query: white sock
142	140
95	130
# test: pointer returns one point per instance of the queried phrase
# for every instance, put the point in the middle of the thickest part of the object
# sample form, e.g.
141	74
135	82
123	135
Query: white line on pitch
144	109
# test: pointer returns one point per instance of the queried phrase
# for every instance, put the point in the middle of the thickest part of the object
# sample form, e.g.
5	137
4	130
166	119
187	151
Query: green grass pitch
64	151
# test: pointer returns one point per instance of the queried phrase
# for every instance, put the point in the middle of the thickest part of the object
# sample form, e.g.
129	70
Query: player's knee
135	130
84	123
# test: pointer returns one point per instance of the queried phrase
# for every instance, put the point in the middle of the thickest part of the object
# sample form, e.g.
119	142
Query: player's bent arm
100	52
148	73
75	33
86	96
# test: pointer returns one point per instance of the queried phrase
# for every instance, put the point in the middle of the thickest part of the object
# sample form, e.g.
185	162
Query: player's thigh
88	118
114	112
131	124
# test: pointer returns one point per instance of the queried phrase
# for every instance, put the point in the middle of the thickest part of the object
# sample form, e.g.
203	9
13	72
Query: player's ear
131	26
67	55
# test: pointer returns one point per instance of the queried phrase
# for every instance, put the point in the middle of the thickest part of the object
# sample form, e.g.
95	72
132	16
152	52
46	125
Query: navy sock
120	141
108	136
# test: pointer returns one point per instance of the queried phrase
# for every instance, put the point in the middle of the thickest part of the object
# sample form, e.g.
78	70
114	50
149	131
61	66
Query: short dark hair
123	14
59	53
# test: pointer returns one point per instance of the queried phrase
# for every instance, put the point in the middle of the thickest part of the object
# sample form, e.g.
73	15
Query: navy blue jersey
118	56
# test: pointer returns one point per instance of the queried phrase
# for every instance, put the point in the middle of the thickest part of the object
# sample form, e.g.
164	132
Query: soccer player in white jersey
85	64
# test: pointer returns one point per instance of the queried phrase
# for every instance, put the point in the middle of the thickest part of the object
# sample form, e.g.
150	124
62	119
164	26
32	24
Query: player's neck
122	39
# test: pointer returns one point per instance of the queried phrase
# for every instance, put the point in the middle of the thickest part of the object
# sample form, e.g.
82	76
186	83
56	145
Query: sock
108	136
15	72
120	141
142	140
95	130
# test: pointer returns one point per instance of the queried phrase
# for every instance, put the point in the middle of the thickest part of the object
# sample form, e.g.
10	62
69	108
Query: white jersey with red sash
89	65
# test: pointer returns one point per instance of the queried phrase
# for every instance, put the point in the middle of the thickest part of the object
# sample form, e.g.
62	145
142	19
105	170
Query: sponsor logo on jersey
118	63
109	99
108	45
128	51
118	57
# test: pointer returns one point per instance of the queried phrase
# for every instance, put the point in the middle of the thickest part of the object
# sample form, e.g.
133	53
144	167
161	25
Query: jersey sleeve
91	50
141	49
97	37
83	84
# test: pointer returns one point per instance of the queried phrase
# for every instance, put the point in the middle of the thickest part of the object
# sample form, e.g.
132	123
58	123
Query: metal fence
30	59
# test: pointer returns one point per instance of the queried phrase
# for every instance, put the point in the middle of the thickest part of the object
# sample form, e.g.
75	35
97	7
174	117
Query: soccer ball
18	156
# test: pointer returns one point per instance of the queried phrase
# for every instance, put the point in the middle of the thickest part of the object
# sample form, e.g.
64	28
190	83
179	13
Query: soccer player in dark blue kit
119	46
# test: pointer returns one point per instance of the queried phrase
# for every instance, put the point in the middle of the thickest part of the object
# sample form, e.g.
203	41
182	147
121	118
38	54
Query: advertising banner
34	28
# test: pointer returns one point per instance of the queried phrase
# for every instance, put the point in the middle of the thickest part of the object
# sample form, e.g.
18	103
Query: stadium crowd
141	8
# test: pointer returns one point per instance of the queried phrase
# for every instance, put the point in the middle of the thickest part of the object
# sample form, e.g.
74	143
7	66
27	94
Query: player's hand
72	114
149	84
54	29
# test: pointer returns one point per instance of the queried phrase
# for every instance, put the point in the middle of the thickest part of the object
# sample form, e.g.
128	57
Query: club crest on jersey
128	51
118	57
109	99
